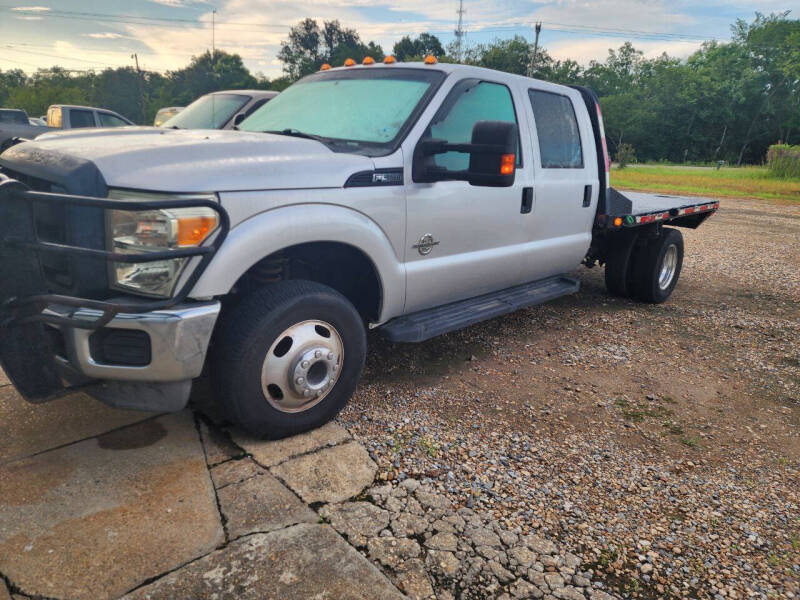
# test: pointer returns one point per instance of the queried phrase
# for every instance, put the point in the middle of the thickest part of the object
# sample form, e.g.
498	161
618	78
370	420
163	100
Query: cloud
29	18
584	51
107	35
33	9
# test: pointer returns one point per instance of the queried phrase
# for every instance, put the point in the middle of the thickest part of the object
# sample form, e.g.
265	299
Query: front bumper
177	341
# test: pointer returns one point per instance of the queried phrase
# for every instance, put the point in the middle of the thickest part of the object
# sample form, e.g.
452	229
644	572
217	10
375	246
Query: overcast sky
165	33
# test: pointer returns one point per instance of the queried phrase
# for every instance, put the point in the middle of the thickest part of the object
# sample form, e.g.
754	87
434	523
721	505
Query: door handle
527	200
587	196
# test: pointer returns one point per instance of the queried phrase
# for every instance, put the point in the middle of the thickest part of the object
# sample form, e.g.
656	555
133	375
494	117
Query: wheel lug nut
330	355
304	364
306	392
317	354
300	381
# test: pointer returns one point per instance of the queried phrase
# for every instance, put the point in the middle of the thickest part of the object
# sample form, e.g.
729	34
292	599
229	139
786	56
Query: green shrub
625	155
783	160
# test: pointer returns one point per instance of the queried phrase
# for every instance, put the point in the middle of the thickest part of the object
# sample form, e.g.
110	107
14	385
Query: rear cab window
17	117
557	130
79	119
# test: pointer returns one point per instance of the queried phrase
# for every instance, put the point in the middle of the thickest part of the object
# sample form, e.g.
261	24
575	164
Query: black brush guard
27	347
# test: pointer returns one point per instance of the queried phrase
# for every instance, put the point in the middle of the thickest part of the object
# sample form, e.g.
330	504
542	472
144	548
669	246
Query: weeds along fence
783	160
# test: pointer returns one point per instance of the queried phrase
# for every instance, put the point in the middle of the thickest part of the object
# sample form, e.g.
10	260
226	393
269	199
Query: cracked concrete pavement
96	503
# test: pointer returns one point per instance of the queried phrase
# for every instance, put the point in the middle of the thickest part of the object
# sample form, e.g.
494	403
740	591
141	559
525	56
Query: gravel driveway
660	444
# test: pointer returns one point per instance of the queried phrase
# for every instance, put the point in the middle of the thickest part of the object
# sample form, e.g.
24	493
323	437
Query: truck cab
63	116
413	198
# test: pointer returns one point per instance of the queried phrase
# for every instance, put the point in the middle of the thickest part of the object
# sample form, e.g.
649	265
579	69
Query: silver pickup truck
16	125
414	198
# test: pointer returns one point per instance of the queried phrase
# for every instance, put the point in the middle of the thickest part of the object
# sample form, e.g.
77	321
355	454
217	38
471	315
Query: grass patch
690	441
637	413
728	182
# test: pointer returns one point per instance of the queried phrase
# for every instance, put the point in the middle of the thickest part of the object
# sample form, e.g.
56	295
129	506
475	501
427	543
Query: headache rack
30	311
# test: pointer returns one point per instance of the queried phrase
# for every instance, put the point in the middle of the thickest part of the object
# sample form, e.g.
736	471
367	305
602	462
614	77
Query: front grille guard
43	307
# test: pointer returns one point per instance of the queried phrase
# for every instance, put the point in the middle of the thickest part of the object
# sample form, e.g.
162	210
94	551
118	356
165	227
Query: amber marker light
193	230
325	67
618	222
389	60
368	60
507	164
349	62
430	60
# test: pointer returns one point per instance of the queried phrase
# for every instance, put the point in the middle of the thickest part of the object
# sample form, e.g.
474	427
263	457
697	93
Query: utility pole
460	32
532	65
213	32
135	57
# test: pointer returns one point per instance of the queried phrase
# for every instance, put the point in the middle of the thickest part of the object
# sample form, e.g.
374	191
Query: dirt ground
666	437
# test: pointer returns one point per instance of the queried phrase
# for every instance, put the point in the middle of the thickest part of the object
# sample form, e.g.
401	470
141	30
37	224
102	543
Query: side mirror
493	163
492	156
237	120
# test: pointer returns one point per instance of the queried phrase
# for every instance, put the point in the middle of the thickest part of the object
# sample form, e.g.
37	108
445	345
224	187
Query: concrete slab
234	471
218	446
97	518
26	428
330	475
4	593
271	453
261	504
304	561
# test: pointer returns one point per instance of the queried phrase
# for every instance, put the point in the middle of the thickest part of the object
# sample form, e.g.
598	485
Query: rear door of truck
565	179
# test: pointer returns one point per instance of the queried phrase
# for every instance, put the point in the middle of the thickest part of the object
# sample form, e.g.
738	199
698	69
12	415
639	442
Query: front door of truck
464	240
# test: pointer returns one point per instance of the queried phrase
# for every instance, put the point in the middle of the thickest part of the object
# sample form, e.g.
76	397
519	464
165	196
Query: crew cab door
463	240
565	178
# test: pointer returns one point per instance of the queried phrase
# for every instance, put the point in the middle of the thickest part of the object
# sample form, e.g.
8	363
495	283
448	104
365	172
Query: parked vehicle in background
412	198
164	114
220	110
64	116
15	125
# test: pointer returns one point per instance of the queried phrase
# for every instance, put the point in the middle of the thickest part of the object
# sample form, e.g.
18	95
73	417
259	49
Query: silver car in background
220	110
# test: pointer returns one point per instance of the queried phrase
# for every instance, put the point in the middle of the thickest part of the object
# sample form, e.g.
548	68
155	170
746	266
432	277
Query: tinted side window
469	102
557	129
107	120
81	118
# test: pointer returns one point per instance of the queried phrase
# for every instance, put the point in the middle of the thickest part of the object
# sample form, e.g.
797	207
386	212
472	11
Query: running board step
423	325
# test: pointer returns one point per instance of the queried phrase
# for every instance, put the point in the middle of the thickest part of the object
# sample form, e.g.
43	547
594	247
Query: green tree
407	49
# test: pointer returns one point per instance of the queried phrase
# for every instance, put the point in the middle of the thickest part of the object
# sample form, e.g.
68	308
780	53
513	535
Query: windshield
360	110
208	112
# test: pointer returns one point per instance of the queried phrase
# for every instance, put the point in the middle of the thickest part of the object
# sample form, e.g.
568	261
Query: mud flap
27	354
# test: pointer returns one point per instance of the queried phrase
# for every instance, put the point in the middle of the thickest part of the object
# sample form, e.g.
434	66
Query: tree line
727	101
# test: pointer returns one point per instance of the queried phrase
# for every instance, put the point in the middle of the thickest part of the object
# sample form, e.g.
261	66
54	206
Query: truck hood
169	160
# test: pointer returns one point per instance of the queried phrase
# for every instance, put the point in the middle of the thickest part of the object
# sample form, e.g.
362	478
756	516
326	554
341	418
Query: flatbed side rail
57	309
680	211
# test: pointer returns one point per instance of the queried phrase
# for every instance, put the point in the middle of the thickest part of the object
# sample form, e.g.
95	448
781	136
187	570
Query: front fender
274	230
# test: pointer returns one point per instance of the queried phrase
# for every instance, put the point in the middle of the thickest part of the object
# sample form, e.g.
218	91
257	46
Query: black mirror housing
492	156
493	161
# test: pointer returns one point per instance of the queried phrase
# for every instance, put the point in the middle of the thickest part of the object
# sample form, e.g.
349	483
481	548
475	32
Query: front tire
287	358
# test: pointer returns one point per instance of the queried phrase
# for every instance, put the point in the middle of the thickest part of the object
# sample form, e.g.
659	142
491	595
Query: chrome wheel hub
302	366
668	267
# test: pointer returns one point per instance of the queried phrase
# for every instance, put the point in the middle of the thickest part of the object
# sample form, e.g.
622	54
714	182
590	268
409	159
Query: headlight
140	232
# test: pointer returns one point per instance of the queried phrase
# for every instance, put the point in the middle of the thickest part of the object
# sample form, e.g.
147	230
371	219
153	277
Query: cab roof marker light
349	62
389	60
325	67
430	60
368	60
